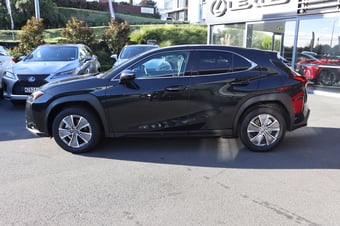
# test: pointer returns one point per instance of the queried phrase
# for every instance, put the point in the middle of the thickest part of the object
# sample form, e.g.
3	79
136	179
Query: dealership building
295	28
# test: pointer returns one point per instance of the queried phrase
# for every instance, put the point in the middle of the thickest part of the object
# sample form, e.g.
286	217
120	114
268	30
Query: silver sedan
6	62
45	64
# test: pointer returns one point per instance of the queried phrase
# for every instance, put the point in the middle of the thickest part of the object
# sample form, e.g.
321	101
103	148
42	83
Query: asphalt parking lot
173	181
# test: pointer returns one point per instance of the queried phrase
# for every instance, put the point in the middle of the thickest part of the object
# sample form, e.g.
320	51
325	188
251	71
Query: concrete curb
324	91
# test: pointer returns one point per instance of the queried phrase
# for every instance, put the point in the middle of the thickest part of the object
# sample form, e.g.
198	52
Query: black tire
262	128
76	130
327	77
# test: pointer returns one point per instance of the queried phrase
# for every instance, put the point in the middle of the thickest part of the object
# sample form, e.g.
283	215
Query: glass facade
177	9
310	43
228	34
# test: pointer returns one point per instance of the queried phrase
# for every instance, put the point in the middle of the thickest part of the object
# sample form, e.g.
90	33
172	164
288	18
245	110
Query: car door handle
239	83
175	88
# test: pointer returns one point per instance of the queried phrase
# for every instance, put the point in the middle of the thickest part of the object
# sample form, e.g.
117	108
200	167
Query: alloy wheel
263	130
75	131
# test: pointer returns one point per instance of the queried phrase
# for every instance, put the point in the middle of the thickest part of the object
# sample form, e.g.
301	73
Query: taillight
300	78
298	102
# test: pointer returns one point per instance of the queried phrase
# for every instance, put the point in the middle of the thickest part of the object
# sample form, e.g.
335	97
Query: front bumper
34	120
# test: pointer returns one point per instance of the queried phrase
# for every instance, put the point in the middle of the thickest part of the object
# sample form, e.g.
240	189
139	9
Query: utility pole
37	9
112	13
8	5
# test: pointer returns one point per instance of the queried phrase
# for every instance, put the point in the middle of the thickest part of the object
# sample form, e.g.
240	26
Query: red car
324	71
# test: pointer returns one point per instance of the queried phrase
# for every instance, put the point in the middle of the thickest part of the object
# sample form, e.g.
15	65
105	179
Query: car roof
140	45
67	44
239	50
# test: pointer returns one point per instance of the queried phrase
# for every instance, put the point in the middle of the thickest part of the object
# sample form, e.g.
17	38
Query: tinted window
240	63
131	51
88	51
216	62
165	64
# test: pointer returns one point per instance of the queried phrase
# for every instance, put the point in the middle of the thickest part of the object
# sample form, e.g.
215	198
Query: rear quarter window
218	62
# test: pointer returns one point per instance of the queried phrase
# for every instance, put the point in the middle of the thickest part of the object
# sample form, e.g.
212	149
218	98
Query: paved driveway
173	181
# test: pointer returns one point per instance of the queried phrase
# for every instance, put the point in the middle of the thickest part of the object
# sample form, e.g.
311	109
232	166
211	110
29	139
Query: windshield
3	51
53	53
129	52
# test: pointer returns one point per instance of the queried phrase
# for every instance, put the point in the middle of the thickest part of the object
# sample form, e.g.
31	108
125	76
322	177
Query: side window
82	53
218	62
240	63
214	62
88	52
164	64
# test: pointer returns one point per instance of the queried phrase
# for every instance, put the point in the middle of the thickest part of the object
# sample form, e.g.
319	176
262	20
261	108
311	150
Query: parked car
6	62
130	51
318	69
191	90
45	64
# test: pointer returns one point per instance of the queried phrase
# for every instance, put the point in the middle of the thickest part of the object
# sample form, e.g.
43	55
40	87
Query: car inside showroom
305	32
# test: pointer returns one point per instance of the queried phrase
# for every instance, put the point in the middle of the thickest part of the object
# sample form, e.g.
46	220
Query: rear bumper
301	119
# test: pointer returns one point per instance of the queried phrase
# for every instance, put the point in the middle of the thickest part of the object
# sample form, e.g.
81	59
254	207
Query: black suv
190	90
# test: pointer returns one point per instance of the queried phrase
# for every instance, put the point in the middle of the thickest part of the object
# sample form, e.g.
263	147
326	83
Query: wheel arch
88	102
279	101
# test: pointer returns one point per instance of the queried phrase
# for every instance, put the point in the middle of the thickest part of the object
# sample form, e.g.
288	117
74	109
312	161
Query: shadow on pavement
12	122
306	148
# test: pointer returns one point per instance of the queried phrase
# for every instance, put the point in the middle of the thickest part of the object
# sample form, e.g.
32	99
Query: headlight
63	74
10	75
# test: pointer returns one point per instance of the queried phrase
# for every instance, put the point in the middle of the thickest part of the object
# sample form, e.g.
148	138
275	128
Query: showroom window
228	34
318	50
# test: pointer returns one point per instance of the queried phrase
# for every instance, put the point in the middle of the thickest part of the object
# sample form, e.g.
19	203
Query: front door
156	100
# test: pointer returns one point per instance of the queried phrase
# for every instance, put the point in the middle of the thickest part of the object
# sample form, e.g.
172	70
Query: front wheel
262	129
76	130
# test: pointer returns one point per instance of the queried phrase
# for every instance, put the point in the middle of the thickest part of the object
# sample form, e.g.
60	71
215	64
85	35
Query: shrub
116	36
77	32
171	34
31	36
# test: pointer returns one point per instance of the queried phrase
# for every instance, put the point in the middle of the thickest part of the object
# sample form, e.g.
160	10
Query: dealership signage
241	10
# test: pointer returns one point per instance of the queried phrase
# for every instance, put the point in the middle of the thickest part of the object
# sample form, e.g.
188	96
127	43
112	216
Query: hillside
96	19
101	18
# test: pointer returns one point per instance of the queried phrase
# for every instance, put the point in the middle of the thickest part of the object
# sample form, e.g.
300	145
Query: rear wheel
76	130
327	77
262	129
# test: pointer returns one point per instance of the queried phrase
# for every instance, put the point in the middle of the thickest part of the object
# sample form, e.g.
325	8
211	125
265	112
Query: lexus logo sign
31	79
219	8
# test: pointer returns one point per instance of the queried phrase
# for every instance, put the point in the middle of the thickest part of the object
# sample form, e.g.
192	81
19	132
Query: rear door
219	80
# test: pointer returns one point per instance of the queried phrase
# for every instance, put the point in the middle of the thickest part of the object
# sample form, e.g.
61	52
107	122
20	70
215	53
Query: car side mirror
86	58
127	76
19	58
114	56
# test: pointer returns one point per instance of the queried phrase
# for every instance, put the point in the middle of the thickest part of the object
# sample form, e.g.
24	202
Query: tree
77	32
31	36
116	36
148	3
25	9
4	22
